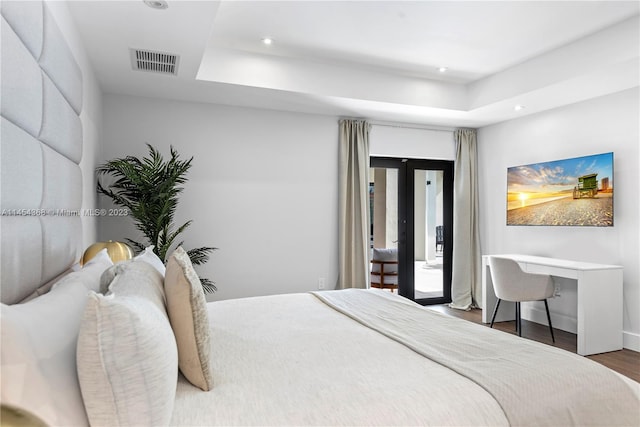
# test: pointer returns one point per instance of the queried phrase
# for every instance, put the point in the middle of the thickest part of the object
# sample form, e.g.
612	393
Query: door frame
406	246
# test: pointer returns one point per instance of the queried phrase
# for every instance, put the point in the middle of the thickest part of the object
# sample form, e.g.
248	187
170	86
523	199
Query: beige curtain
354	204
466	287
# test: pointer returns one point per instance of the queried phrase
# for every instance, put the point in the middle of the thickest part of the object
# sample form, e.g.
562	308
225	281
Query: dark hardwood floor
626	362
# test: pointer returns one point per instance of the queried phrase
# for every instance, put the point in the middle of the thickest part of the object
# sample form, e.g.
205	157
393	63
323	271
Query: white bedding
293	360
534	384
335	371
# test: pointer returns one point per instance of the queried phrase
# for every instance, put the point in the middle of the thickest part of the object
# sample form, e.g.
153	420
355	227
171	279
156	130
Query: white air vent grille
156	62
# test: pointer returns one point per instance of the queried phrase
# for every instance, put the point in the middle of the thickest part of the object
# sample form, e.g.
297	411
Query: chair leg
546	306
495	311
518	319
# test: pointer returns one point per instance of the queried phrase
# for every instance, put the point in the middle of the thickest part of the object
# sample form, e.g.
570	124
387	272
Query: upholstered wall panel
62	184
22	175
59	64
40	150
61	126
27	21
21	100
60	237
21	257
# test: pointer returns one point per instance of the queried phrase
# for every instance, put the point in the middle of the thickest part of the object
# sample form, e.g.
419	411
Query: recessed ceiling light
443	69
519	107
267	40
156	4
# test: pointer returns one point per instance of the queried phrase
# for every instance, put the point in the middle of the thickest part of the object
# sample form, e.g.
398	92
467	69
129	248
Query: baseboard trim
560	321
630	340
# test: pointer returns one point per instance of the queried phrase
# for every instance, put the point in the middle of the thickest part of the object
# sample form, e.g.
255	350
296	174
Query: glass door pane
383	189
428	236
383	194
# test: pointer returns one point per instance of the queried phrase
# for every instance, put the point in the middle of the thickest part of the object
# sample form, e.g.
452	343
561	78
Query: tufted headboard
40	150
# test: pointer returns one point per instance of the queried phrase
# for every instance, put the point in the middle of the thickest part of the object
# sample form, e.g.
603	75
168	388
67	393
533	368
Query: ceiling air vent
156	62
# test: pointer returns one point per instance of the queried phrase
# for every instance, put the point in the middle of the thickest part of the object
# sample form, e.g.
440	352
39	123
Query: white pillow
127	361
89	274
137	278
150	257
38	349
99	258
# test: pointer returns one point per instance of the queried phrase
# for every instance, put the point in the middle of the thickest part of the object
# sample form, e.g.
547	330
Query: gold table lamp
12	416
117	251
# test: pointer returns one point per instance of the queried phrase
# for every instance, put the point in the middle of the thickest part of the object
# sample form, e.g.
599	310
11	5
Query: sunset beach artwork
576	191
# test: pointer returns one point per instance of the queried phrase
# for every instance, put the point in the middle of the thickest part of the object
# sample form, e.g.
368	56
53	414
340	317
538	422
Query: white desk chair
512	284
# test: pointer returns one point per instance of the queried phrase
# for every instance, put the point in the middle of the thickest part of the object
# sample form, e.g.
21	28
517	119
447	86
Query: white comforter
293	360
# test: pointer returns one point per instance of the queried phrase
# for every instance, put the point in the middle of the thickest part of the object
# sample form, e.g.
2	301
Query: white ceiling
373	59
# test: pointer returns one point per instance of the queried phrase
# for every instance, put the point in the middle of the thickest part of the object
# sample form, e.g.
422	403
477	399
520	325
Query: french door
412	210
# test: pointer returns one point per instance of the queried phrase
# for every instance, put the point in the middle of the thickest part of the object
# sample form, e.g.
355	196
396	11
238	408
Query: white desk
599	315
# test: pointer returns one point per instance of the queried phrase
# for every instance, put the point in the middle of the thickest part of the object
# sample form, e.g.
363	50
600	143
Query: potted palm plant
149	188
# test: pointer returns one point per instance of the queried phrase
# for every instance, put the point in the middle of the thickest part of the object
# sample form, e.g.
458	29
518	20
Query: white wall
413	143
609	123
263	188
91	118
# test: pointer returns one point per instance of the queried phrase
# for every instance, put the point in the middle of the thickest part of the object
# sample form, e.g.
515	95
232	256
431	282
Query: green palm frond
149	187
200	255
208	285
166	239
137	246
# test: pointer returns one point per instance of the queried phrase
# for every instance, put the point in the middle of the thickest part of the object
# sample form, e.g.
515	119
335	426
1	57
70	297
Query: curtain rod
406	126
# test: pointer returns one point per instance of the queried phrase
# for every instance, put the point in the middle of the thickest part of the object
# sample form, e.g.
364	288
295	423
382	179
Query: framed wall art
572	192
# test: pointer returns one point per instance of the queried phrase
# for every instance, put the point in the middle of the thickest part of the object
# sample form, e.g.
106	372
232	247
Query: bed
359	357
136	344
103	348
